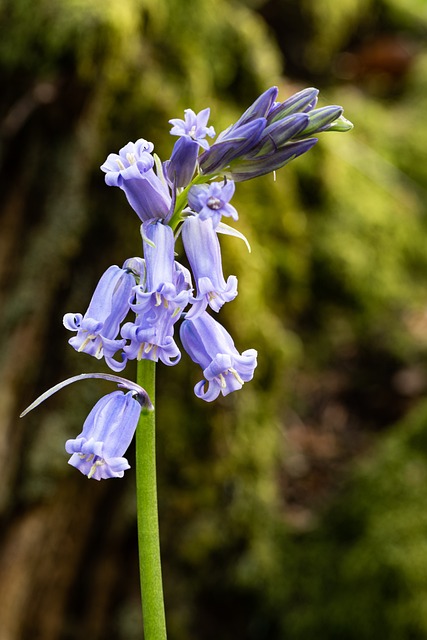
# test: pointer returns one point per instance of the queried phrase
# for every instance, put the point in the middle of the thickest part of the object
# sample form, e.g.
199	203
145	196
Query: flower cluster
135	308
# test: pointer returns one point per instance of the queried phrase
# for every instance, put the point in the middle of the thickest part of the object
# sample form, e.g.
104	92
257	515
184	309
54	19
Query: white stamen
85	342
236	375
93	468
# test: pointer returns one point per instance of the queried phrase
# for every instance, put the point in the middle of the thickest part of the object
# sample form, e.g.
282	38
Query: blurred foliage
267	531
361	572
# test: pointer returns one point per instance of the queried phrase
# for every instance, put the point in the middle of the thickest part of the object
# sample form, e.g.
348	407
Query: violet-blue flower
148	340
210	345
203	251
194	126
107	433
98	329
132	170
159	290
213	201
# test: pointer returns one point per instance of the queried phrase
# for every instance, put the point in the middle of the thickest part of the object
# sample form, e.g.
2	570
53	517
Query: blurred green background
295	508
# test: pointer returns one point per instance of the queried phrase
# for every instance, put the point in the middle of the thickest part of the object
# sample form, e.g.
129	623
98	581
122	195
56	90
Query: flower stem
182	198
147	515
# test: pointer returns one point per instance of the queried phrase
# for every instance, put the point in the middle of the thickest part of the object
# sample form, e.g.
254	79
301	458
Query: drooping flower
160	289
107	433
98	329
211	346
132	170
213	201
193	126
202	248
159	299
148	340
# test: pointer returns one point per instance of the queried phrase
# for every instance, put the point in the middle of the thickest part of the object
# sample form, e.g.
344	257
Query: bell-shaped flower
180	169
193	126
97	331
107	433
203	251
151	338
213	201
162	288
132	170
211	346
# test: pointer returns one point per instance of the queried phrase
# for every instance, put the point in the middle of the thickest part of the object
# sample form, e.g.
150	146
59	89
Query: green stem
181	200
147	514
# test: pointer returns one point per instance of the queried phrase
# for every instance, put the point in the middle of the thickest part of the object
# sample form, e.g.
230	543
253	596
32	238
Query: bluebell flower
180	169
193	126
160	290
159	299
148	340
108	430
97	331
213	201
132	170
211	346
203	251
107	433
